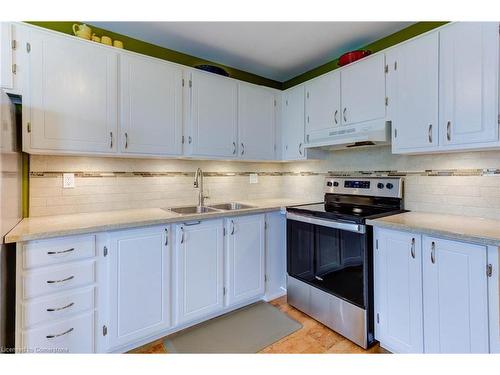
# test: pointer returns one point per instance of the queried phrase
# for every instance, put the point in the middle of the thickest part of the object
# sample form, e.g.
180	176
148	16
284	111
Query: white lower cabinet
431	294
455	289
245	255
275	255
139	284
199	251
398	291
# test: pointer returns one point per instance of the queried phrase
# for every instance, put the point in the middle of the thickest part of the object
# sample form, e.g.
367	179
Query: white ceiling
275	50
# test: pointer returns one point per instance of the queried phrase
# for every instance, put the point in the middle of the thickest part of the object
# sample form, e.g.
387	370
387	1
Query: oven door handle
357	228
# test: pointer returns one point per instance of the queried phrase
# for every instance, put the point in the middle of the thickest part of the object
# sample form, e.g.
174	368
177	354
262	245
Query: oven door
328	254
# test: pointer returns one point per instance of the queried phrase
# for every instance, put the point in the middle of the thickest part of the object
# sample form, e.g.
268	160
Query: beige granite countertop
41	227
469	229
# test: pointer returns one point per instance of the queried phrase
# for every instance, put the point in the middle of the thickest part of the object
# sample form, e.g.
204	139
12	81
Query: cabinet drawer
58	278
75	335
54	251
58	307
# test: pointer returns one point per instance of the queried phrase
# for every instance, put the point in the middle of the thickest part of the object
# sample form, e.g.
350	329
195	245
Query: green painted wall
149	49
388	41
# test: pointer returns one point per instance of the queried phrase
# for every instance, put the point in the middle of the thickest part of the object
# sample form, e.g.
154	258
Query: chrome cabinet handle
430	133
242	149
300	149
232	226
433	252
193	223
60	252
60	334
110	139
166	236
61	308
413	248
234	148
126	140
182	235
190	139
448	130
335	116
60	281
343	114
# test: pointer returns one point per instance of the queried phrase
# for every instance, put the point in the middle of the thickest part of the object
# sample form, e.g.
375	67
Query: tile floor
313	337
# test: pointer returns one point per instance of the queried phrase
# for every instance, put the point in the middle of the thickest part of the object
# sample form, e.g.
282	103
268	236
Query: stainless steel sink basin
192	210
230	206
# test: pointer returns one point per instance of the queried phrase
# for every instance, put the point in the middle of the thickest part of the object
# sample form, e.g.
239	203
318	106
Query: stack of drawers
56	299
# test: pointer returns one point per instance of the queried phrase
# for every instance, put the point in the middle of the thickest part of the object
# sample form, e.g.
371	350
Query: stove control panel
391	187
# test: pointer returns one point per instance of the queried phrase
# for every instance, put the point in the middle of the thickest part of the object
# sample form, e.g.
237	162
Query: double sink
190	210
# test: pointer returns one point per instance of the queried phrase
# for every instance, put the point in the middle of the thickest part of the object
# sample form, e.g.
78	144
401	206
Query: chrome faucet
198	183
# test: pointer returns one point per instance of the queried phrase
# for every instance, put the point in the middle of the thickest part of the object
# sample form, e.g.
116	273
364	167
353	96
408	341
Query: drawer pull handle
433	252
60	252
61	308
60	334
60	281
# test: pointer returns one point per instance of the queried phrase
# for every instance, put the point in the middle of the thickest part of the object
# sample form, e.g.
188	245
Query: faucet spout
198	183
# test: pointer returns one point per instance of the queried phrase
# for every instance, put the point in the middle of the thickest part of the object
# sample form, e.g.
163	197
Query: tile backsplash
459	183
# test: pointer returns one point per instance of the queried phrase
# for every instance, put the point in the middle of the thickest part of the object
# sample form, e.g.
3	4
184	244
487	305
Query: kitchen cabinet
245	258
412	90
398	291
322	106
431	294
199	251
363	90
139	284
275	255
150	106
7	68
293	108
256	122
455	297
468	83
212	116
72	95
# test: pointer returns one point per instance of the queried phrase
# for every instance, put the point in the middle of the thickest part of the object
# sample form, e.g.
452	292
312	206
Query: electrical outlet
254	178
68	180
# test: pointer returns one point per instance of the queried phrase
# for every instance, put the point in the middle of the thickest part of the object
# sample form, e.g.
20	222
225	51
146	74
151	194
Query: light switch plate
254	178
68	180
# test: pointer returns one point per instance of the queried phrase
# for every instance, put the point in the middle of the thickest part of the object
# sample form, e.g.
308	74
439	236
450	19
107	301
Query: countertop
468	229
36	228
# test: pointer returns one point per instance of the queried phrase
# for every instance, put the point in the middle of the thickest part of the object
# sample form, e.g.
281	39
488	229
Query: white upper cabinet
212	126
151	106
256	122
412	90
72	95
322	106
7	68
199	252
293	123
245	258
398	291
455	289
139	284
363	90
468	83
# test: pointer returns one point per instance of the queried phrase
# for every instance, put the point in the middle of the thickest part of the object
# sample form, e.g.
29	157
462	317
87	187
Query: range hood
371	133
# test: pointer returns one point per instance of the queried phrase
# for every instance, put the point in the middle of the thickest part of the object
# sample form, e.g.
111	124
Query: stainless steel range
330	252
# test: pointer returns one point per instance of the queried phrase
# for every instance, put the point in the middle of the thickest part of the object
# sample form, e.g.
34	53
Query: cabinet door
363	91
139	284
6	58
256	122
293	123
275	255
412	85
213	116
245	252
455	297
398	291
468	83
199	254
322	104
151	106
72	94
